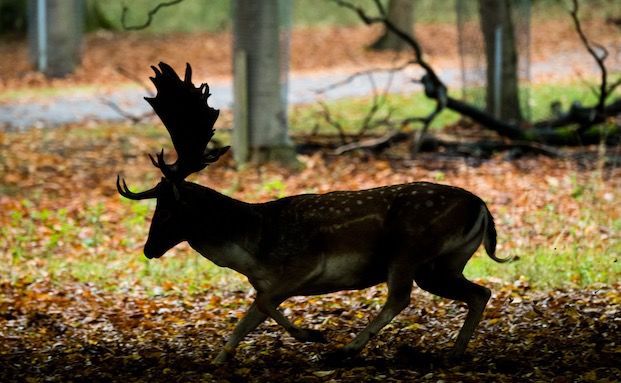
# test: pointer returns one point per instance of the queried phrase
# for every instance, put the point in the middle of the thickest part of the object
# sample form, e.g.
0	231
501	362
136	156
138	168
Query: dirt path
113	65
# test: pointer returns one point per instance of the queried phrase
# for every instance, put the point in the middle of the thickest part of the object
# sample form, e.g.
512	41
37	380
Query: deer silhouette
312	243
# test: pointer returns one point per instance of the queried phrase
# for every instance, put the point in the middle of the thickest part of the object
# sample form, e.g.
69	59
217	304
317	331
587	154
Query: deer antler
184	110
125	192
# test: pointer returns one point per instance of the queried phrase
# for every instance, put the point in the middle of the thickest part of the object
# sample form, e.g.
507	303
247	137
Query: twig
125	114
614	86
349	79
599	58
366	122
150	15
130	76
337	125
372	143
430	76
383	19
379	100
370	120
122	112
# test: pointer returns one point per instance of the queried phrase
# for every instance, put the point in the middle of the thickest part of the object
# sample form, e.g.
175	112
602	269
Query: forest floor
80	302
77	332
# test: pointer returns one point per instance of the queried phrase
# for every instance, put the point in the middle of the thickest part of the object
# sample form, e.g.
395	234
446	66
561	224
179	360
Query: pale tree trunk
55	35
502	92
260	110
400	13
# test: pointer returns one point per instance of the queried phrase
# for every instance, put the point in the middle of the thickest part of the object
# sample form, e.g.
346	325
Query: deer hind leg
448	283
399	289
268	305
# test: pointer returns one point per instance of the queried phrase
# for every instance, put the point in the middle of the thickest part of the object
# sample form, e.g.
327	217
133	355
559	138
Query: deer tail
489	238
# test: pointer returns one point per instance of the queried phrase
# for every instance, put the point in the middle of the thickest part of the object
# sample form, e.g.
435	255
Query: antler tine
125	192
203	89
153	160
173	172
160	160
188	74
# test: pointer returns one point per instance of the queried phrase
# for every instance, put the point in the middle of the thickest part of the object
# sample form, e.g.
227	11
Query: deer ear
212	155
188	74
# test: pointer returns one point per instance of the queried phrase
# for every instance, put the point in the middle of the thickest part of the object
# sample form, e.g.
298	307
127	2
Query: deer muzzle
151	251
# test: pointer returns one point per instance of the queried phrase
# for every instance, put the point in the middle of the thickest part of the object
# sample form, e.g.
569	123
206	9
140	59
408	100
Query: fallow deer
312	243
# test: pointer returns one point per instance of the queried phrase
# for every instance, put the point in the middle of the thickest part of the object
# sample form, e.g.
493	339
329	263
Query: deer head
185	113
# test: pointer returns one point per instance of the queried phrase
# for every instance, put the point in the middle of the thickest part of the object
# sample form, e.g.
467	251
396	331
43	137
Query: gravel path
83	105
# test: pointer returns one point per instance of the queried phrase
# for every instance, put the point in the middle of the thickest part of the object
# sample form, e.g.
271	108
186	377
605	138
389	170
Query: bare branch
370	120
383	19
430	76
134	118
325	113
543	132
349	79
373	143
598	57
130	76
614	86
150	15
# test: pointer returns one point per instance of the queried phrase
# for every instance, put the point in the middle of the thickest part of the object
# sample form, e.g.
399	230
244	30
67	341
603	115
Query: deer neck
224	230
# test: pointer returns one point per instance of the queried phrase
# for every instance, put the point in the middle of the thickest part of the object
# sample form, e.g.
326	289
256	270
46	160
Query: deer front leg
269	306
253	318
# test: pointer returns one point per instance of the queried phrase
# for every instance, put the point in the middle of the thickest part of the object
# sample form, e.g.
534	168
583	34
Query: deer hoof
453	357
222	357
316	336
309	335
338	356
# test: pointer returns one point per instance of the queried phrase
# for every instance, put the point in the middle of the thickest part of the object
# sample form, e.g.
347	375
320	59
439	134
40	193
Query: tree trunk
502	92
55	35
260	111
400	13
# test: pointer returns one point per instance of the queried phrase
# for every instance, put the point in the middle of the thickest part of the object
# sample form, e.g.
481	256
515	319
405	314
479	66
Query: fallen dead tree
580	125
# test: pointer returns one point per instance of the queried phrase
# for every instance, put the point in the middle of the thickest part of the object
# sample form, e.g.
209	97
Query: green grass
13	95
548	268
37	93
86	247
351	113
579	251
180	269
